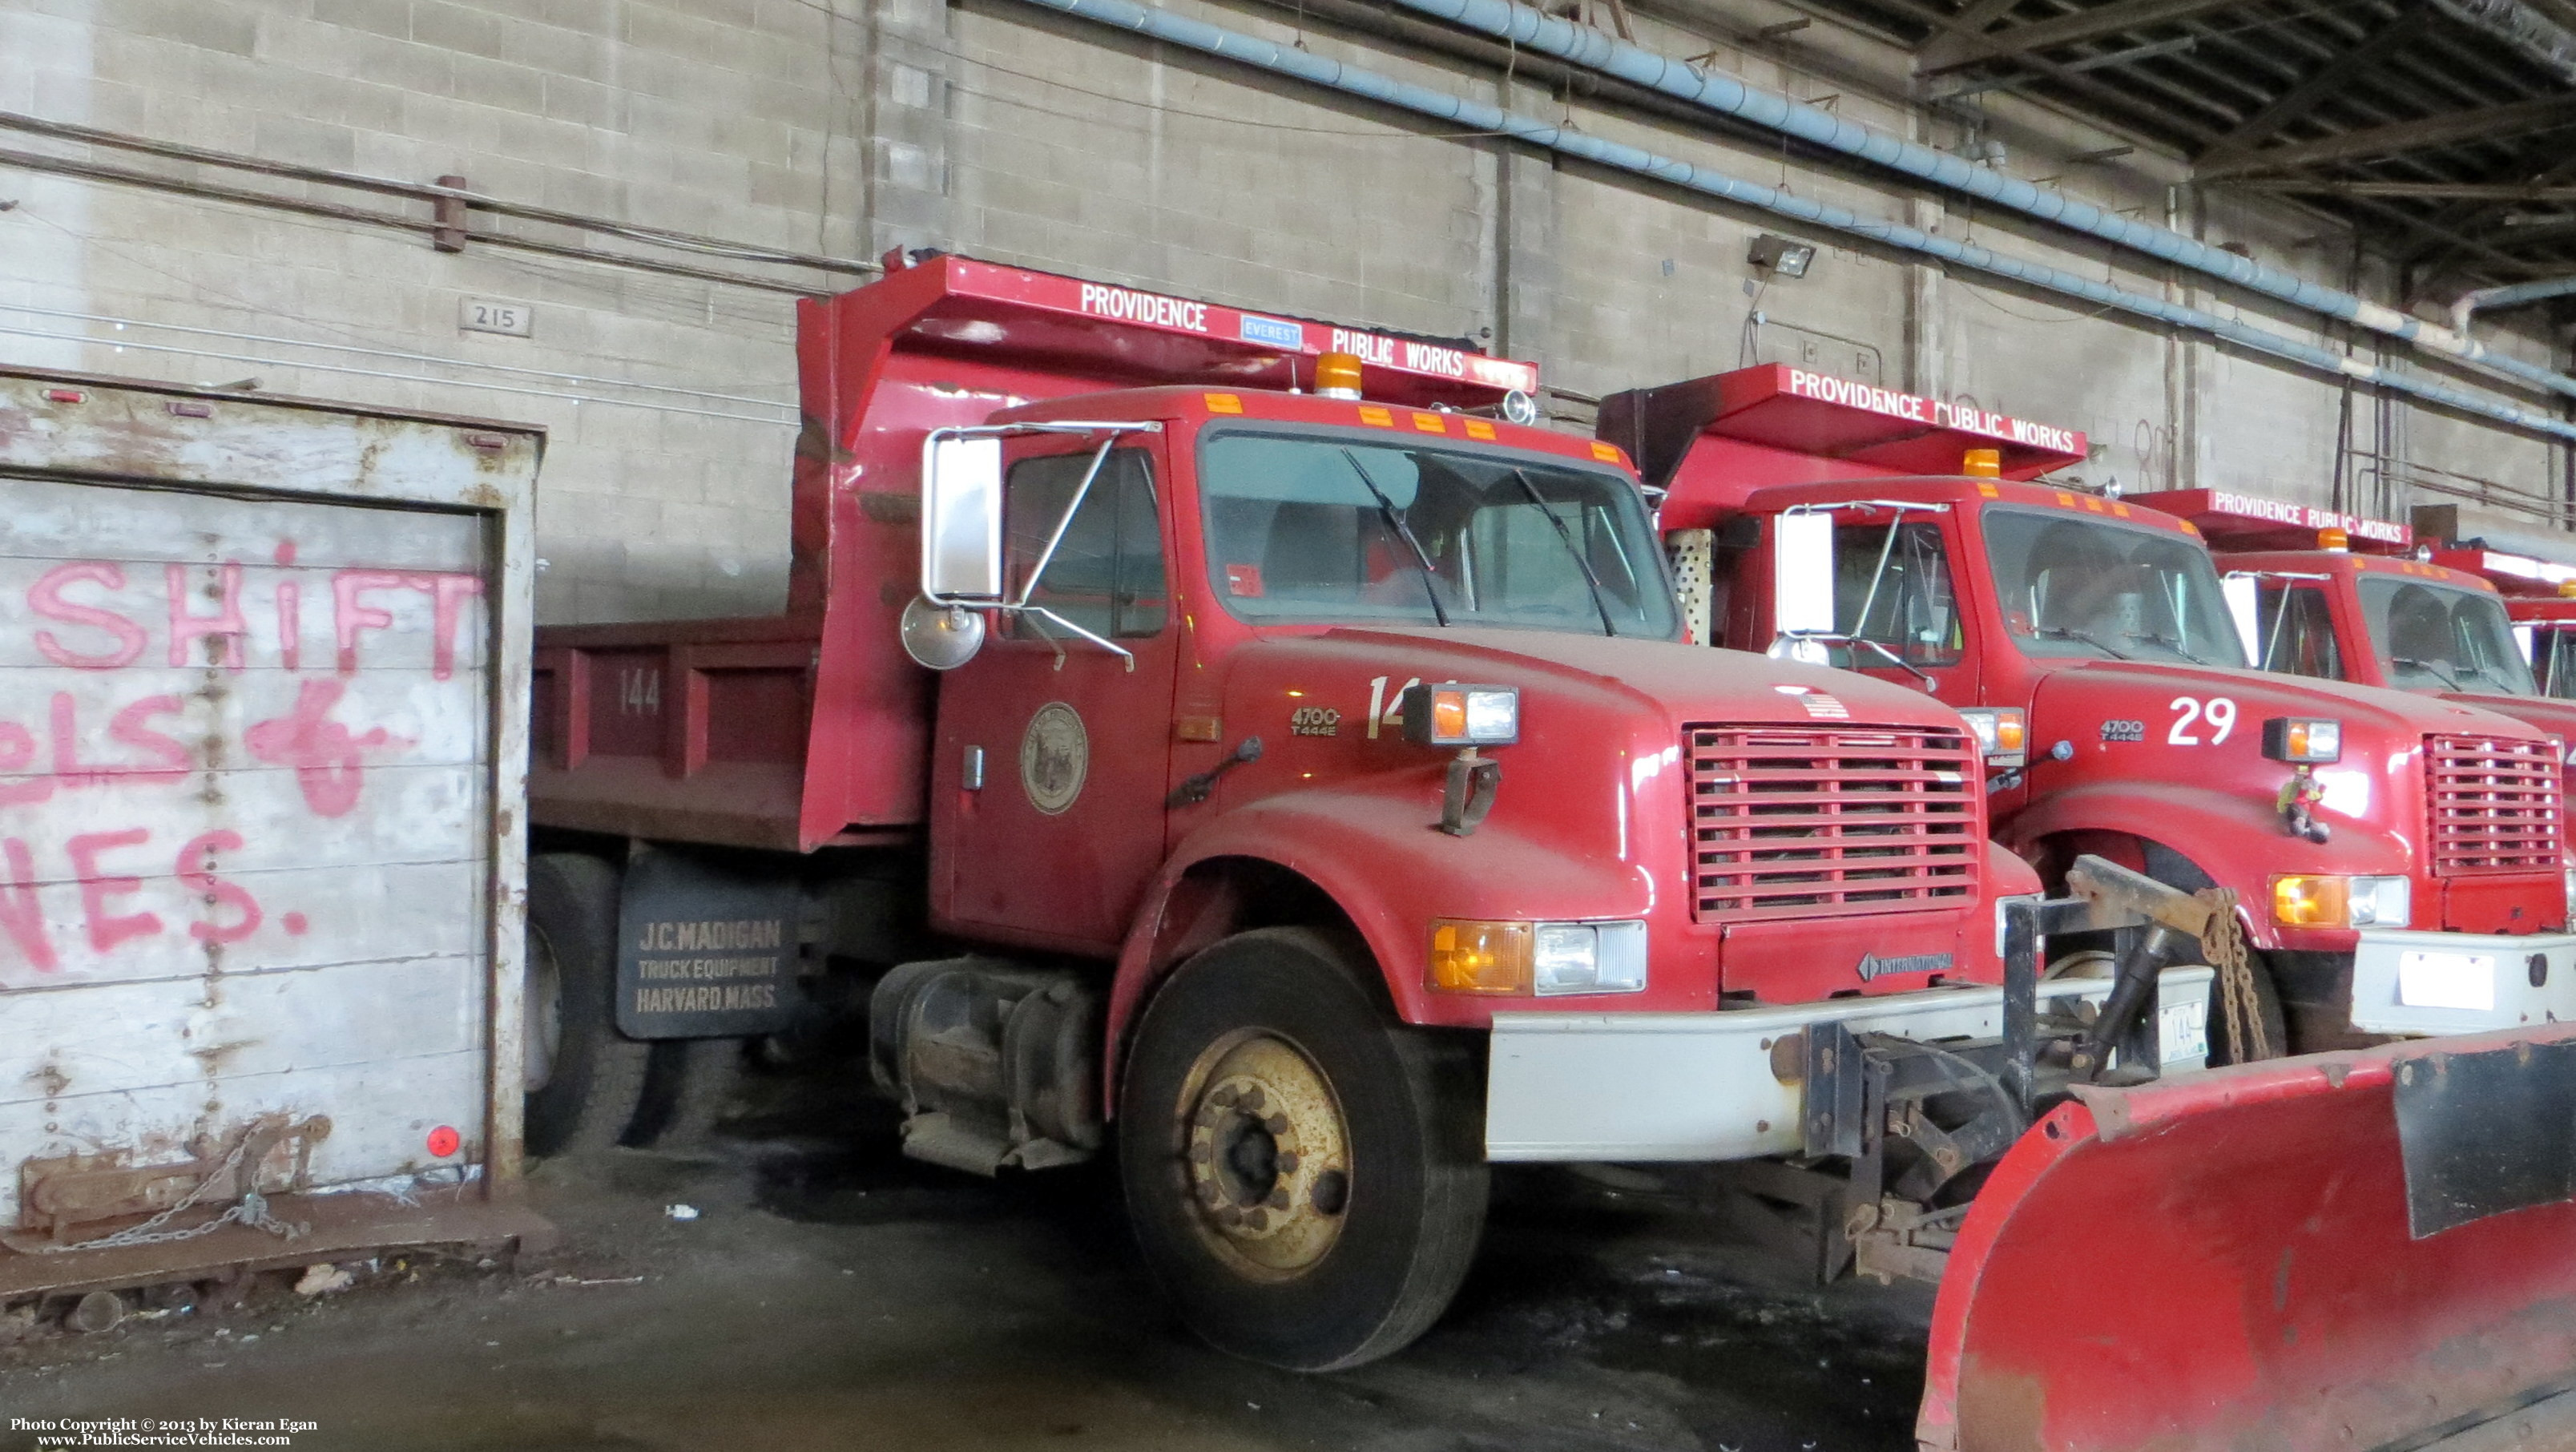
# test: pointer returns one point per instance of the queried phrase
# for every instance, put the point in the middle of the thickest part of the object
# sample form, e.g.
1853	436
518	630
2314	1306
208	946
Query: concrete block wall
670	402
851	126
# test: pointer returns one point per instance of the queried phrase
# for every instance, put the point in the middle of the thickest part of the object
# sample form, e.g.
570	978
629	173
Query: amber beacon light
1337	375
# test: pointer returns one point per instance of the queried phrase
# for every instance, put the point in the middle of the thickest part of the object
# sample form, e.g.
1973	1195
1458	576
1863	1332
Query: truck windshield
1324	527
2442	637
2077	586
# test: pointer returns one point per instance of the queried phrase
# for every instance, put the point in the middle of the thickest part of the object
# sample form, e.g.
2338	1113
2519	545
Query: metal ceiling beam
2136	112
1952	52
2484	124
2304	97
2418	191
2515	239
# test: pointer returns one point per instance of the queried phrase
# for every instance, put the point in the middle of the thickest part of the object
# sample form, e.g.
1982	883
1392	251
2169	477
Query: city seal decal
1055	755
1874	967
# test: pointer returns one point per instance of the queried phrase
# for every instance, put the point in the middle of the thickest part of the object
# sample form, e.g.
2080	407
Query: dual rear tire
587	1085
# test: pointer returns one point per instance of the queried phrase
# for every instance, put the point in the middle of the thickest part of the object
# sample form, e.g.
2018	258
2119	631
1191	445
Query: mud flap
2230	1259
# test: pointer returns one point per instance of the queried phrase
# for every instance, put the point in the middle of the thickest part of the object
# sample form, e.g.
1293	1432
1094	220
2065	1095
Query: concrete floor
833	1296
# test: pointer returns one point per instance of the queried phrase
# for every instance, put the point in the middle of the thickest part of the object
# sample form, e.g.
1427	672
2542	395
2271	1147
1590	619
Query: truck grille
2496	806
1788	822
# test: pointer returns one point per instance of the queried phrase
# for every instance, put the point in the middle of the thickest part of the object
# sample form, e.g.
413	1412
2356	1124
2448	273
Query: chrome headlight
2382	902
1588	958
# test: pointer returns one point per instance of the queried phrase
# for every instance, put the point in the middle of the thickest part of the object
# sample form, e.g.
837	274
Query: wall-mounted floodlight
1784	257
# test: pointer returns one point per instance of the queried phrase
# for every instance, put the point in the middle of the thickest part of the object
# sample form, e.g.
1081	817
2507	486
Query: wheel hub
541	1032
1268	1156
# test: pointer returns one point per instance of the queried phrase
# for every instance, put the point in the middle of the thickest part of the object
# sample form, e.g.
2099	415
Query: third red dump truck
1299	767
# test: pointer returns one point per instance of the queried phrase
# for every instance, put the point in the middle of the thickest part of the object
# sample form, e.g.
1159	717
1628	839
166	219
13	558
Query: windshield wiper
1403	531
1591	581
2172	643
2426	666
2061	632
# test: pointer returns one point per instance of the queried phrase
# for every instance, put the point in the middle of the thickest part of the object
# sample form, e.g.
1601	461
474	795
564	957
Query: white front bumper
1698	1086
2458	983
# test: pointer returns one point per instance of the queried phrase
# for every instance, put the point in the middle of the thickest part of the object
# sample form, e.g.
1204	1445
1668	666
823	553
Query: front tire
1305	1174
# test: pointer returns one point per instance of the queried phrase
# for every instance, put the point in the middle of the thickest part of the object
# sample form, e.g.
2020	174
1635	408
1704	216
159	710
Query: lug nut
1255	1220
1252	1101
1276	1124
1201	1152
1287	1162
1223	1098
1278	1200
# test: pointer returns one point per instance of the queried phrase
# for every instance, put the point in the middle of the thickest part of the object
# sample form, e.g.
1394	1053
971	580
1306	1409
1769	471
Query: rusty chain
2222	945
251	1210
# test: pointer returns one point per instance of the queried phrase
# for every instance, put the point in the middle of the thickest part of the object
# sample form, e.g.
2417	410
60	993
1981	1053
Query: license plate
2446	980
2182	1031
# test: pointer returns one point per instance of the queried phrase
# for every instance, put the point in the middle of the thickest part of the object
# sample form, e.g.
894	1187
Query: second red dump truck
2398	858
1312	799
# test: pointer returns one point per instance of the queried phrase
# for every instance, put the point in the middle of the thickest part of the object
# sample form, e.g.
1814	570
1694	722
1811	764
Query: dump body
2156	761
260	853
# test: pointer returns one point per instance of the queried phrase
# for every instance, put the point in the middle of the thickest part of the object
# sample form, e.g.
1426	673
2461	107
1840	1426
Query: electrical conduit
1581	45
1300	65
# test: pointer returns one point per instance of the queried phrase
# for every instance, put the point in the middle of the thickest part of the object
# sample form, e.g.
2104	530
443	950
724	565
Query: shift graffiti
184	679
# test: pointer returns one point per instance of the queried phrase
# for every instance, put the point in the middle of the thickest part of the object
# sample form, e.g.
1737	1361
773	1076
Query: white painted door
244	782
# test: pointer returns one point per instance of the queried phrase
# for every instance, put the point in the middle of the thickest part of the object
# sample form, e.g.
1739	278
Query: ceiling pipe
1477	116
1581	45
2507	297
2542	40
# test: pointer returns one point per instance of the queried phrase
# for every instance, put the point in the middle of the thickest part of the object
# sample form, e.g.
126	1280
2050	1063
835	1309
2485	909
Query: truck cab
2348	598
2360	828
2539	598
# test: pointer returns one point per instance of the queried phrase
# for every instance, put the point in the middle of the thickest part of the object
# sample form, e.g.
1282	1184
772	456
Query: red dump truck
1301	769
2398	858
2538	586
2344	597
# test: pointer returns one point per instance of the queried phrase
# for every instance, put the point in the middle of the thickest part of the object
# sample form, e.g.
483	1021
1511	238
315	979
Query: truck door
2297	630
1895	601
1054	751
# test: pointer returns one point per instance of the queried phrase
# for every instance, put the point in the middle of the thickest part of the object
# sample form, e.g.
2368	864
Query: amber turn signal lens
2311	902
1479	957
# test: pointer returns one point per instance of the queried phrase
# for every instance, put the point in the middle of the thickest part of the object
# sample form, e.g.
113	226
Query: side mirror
2243	594
961	520
1802	574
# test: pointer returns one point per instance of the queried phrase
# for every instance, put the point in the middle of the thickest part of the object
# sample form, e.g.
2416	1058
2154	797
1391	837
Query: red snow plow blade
2371	1251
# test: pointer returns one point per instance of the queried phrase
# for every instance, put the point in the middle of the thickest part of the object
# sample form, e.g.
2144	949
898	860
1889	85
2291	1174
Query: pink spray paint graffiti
329	759
204	644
